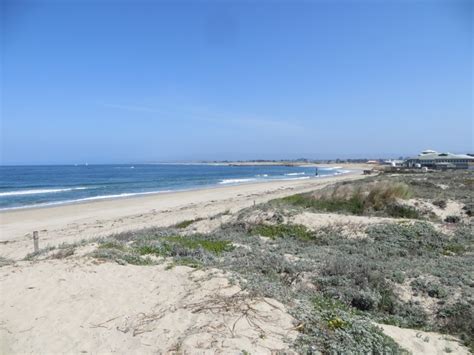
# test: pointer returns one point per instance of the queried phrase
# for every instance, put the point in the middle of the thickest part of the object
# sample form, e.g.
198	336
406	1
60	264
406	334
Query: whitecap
92	198
38	191
294	174
235	181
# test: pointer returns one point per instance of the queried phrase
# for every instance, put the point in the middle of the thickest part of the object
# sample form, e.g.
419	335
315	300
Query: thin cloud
246	121
134	108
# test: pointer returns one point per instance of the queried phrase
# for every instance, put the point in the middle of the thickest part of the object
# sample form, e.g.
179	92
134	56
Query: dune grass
167	245
187	250
335	287
187	223
282	231
380	198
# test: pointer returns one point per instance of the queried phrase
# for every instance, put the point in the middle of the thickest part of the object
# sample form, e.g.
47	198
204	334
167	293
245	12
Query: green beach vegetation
415	273
379	198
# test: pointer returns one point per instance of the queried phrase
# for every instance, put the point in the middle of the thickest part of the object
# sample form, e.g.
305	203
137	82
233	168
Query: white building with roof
432	159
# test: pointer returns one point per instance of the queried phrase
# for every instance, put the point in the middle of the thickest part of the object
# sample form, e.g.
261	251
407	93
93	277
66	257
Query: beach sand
81	304
72	223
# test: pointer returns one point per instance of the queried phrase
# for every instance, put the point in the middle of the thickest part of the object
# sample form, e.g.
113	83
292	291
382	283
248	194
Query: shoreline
344	167
90	219
130	195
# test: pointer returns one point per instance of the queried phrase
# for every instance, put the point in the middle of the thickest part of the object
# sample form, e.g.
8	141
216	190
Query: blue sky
140	81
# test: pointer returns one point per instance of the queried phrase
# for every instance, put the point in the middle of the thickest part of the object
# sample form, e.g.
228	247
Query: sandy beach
66	299
80	305
72	223
236	177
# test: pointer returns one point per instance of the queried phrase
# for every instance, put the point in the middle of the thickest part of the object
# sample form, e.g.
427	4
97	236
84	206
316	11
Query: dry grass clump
380	198
384	193
63	253
376	194
37	254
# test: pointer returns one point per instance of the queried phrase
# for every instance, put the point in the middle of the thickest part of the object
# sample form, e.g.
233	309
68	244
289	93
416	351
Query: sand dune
425	343
81	306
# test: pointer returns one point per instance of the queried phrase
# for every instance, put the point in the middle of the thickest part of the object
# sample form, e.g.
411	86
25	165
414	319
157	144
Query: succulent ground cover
405	273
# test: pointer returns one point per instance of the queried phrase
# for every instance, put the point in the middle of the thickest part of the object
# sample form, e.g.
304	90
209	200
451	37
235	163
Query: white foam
38	191
294	174
235	181
330	167
298	178
340	172
102	197
127	194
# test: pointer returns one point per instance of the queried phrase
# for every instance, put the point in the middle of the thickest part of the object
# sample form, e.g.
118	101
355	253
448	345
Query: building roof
428	151
432	155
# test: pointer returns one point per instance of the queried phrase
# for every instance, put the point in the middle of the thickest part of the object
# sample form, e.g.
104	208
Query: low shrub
430	288
452	219
469	208
185	250
353	204
112	244
454	248
330	327
406	315
440	203
402	211
195	242
63	253
282	231
356	282
458	318
398	277
36	254
121	257
185	261
406	240
335	287
187	223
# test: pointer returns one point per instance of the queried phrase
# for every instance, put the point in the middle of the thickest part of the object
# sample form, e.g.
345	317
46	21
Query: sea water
38	186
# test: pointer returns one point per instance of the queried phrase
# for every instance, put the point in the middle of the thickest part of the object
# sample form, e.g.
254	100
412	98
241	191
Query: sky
146	81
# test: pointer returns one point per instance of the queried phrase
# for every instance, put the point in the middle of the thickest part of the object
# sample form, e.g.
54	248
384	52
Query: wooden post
36	241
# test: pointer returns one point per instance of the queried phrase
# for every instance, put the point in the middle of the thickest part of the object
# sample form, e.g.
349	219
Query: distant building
434	160
394	162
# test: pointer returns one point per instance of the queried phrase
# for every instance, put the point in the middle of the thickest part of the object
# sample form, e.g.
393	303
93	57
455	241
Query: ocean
38	186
